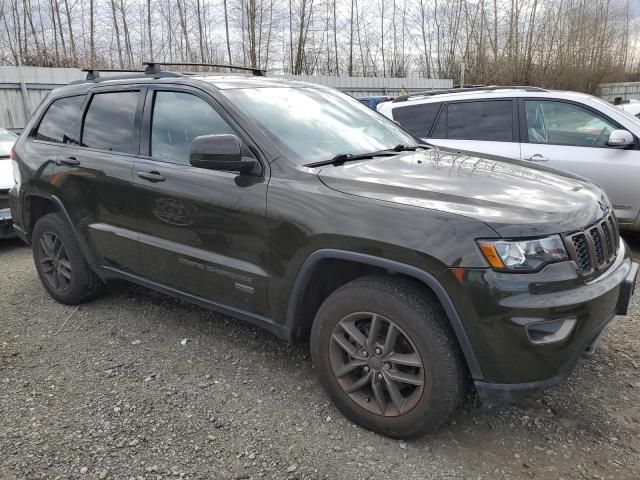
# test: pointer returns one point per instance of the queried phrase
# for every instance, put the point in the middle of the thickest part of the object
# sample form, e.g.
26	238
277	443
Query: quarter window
59	121
110	121
490	121
178	118
561	123
417	119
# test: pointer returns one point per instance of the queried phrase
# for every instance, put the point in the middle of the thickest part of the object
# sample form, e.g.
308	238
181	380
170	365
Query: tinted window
110	121
60	119
560	123
417	118
491	121
178	118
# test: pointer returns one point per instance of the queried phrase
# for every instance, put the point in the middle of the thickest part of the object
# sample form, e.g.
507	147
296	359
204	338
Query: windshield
313	124
619	110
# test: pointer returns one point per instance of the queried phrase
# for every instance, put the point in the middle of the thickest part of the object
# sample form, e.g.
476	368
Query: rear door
482	126
573	137
94	176
202	232
417	118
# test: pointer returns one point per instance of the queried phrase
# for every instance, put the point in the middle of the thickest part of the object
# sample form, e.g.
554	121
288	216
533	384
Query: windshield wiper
341	158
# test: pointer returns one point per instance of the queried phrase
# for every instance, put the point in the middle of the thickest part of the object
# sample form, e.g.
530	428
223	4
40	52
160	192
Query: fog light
550	331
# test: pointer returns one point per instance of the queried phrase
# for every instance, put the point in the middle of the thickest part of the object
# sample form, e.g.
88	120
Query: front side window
561	123
110	121
490	121
177	119
311	124
59	121
417	118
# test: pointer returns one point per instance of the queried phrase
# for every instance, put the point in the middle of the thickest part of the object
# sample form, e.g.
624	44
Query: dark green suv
414	272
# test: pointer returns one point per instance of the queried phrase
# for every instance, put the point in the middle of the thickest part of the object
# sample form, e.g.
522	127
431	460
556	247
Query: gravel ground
112	390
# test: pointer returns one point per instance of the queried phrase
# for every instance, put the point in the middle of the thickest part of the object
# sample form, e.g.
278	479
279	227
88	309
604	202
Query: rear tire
61	266
403	389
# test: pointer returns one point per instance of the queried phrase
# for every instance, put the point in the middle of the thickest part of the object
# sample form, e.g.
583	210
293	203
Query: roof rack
443	91
94	73
153	68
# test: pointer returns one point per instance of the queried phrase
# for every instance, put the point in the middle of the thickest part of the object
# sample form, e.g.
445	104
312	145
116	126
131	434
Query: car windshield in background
312	124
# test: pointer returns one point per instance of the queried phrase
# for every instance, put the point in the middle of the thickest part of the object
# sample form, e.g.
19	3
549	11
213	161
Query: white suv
570	131
7	139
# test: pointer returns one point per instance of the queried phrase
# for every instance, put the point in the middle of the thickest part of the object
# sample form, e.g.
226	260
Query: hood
515	200
6	174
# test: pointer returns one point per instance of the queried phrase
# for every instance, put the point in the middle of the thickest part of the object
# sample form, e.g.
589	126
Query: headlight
523	255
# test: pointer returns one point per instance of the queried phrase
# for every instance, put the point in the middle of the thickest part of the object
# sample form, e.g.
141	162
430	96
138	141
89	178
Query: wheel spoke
358	384
354	333
349	367
65	268
403	377
394	393
64	273
56	278
392	337
374	331
407	359
57	248
346	345
45	247
378	393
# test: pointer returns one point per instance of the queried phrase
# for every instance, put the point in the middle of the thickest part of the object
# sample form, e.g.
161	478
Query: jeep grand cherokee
415	272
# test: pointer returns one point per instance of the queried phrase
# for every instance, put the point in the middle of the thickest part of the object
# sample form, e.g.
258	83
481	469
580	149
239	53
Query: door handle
69	161
537	158
151	176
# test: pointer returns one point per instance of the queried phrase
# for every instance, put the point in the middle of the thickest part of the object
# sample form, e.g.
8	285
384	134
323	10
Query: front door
573	138
202	232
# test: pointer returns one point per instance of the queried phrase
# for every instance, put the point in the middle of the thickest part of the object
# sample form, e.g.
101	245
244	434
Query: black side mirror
220	152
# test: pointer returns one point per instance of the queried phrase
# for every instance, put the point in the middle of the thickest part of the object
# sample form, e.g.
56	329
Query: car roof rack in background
443	91
153	68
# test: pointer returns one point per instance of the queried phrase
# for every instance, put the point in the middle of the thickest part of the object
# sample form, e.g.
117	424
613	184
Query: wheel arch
40	205
295	325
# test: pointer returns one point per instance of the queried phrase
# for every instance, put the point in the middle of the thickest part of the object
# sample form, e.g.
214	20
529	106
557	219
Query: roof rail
94	73
443	91
153	68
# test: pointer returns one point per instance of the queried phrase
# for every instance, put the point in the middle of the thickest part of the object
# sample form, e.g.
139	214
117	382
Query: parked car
7	139
299	209
565	130
633	107
373	102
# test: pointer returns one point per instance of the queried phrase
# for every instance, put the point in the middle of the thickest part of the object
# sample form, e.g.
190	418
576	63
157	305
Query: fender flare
84	247
426	278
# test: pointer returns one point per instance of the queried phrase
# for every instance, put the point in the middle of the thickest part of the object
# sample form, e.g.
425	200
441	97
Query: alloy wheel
54	262
377	364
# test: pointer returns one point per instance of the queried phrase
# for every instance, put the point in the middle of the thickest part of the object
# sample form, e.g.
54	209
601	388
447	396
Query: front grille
4	199
594	248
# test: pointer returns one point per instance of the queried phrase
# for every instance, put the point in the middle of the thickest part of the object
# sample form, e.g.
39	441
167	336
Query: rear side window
59	121
490	121
110	121
417	118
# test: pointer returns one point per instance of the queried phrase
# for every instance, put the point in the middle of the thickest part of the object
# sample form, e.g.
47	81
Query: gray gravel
136	385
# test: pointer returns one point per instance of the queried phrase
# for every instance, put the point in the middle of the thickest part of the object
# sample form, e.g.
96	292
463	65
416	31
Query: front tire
61	266
386	358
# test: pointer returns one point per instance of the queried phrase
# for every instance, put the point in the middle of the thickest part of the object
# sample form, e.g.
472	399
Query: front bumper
501	307
6	224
